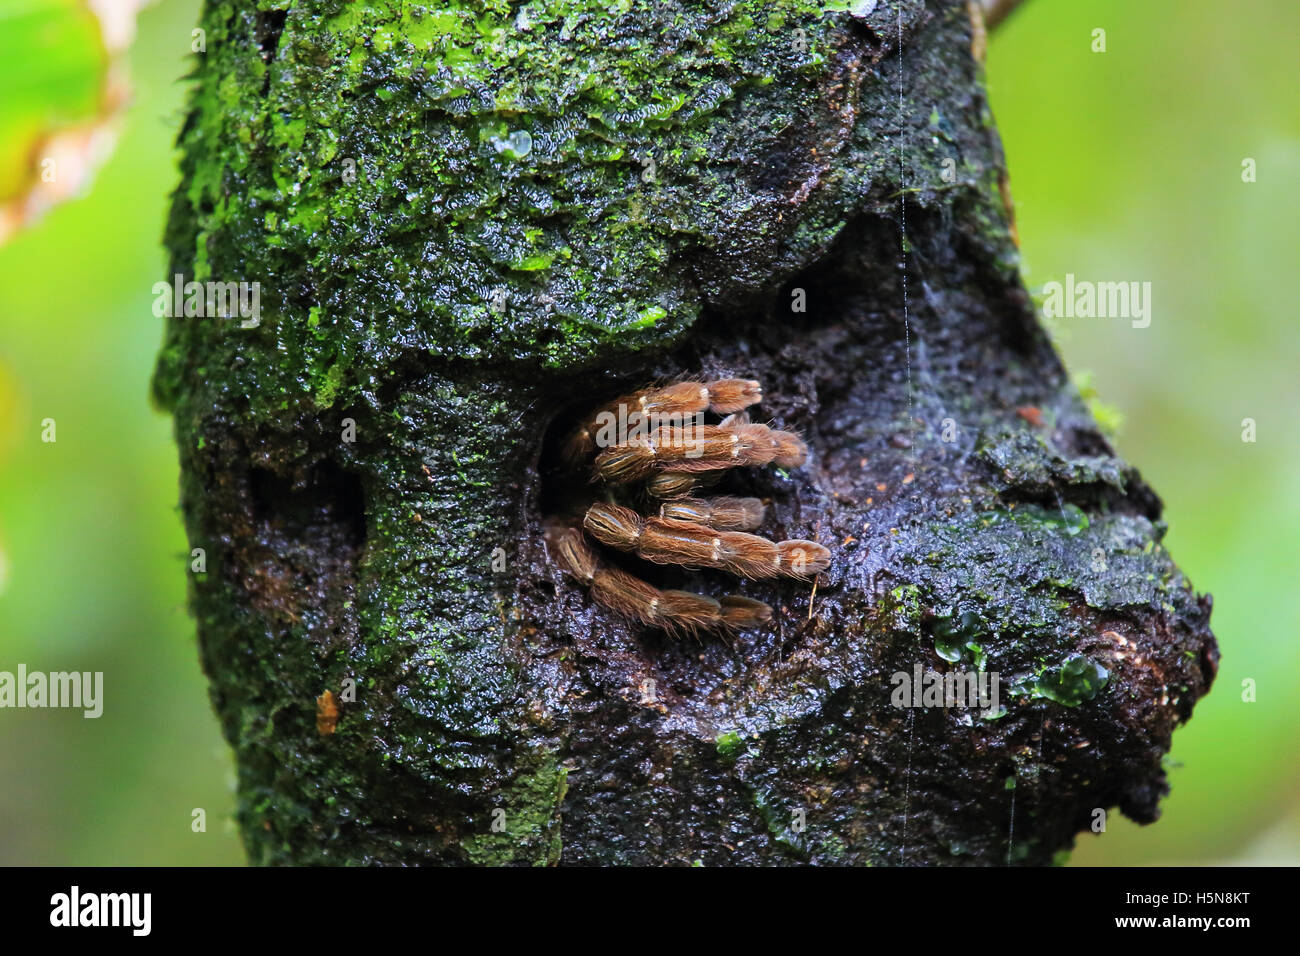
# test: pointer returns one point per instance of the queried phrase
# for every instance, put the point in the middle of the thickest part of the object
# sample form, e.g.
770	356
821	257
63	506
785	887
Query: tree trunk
470	227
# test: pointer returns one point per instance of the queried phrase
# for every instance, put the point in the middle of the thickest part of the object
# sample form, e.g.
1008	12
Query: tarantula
654	446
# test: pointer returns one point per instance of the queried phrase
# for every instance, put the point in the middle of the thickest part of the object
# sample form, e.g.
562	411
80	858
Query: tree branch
470	228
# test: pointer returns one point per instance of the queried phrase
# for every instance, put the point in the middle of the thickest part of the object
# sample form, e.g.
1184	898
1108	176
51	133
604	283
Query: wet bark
470	229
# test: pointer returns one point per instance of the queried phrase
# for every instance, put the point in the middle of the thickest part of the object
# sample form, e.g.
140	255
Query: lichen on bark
471	220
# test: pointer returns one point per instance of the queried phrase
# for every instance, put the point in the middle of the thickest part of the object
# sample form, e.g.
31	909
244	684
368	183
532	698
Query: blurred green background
1125	165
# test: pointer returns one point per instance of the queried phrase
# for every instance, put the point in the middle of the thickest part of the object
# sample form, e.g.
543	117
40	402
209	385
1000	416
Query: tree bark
473	223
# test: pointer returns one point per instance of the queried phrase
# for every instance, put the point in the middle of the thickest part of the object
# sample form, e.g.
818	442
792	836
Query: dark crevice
296	554
270	25
267	32
326	504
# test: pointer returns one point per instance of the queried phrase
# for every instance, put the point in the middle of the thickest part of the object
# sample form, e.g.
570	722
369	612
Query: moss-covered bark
470	220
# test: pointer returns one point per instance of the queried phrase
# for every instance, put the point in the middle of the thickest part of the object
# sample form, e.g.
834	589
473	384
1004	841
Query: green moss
1070	518
489	181
994	610
833	847
729	745
525	824
329	387
779	824
1075	681
1108	417
903	608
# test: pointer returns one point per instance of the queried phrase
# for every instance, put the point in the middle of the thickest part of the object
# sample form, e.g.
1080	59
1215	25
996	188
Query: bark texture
471	222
